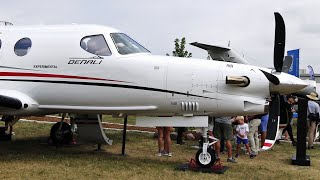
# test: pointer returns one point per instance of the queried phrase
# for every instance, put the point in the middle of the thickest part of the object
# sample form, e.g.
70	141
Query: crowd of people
250	131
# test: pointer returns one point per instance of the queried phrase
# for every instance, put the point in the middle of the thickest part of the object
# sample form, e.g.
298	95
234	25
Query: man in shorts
223	127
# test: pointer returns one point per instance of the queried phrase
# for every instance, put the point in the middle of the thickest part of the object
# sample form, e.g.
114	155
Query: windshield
95	44
126	45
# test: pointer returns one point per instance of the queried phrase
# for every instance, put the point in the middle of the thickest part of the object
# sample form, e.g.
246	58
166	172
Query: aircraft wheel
205	160
63	136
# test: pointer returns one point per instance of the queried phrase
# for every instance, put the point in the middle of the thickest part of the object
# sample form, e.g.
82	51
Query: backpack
313	117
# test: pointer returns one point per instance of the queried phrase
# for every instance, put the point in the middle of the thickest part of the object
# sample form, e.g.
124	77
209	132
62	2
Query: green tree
179	49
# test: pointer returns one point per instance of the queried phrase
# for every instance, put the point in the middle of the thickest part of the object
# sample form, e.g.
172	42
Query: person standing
180	131
223	126
253	136
167	141
290	110
313	108
242	132
164	141
263	128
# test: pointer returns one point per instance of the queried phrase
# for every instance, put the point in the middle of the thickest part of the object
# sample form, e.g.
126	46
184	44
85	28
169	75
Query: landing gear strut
205	157
6	132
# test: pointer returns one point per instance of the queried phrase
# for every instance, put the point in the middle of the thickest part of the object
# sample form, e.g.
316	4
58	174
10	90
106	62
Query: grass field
30	158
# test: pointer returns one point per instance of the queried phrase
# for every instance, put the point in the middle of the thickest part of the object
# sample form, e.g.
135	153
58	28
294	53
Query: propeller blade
279	42
272	78
274	109
287	64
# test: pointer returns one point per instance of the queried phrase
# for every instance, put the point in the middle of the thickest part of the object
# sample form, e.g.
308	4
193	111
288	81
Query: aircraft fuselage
59	75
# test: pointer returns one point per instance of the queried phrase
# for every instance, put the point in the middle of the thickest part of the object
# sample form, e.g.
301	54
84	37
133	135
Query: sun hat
313	96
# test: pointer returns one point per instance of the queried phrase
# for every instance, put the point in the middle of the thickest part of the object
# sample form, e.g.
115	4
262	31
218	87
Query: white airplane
91	69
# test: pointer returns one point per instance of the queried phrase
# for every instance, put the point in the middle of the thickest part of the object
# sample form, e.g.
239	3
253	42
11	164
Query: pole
301	159
124	135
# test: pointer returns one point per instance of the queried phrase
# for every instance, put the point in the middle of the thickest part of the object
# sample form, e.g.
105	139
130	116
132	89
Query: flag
311	72
294	69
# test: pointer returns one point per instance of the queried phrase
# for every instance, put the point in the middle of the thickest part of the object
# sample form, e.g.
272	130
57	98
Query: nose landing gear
205	160
206	157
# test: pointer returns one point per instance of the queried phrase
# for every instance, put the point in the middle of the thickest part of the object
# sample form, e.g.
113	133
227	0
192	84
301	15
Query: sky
247	24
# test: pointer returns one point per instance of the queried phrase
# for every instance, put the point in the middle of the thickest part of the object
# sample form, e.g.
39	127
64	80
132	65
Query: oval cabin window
22	47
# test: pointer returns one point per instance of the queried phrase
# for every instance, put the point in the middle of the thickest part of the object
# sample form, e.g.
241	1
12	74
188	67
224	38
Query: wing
96	108
221	53
17	103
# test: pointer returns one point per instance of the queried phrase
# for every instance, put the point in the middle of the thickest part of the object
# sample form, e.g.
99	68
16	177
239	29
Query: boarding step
90	129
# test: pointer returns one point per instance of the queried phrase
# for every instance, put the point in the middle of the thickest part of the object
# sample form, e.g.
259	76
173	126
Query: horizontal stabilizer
219	53
209	47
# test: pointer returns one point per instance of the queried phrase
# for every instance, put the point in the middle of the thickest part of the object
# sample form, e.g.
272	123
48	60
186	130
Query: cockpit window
95	44
22	47
126	45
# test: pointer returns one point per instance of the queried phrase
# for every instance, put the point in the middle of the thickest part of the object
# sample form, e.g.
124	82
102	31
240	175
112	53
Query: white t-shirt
242	129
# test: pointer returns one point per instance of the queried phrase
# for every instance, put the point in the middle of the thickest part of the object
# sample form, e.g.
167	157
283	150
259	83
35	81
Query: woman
164	141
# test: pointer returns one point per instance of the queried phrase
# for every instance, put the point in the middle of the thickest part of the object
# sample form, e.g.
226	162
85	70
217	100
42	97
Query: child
242	131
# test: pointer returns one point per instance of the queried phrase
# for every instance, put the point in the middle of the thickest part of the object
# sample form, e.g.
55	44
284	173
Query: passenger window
22	47
95	44
0	43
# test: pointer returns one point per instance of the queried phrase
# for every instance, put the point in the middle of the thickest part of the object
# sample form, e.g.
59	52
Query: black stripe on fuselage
108	85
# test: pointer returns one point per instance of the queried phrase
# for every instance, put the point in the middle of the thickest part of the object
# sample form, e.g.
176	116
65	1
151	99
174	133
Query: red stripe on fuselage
52	76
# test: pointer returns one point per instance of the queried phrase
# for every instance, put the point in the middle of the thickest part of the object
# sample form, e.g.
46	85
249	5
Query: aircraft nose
288	84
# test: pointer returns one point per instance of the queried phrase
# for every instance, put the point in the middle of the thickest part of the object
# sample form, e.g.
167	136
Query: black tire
205	160
63	136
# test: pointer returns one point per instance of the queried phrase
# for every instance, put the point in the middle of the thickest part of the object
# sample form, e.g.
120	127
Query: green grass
30	158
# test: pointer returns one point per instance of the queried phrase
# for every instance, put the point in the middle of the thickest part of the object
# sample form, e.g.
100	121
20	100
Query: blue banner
294	69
